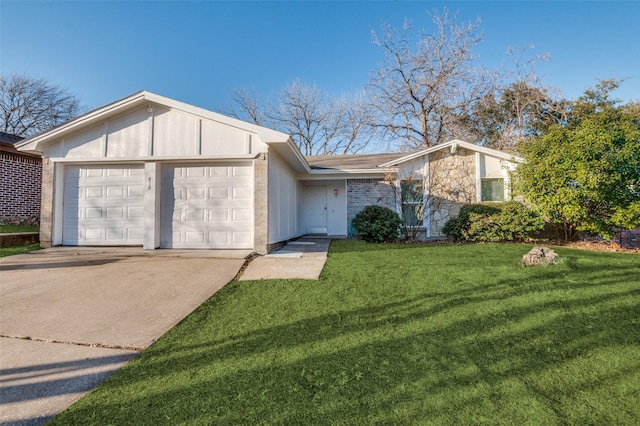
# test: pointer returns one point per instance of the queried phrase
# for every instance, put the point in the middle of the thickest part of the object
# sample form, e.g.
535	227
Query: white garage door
103	205
207	206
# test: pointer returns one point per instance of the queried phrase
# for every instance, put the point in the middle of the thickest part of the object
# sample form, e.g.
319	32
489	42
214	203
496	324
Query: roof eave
380	170
456	143
290	152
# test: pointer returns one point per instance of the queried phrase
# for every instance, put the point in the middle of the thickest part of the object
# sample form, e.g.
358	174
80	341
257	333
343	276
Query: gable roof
142	97
281	142
453	145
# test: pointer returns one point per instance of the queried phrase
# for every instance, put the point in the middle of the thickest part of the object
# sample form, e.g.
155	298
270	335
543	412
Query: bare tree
247	106
354	131
319	123
424	96
31	105
303	112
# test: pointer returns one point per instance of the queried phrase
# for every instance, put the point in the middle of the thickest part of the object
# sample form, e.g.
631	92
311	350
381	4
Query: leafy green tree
520	107
518	111
584	175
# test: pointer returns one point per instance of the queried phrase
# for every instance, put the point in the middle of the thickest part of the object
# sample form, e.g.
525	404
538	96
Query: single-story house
21	182
151	171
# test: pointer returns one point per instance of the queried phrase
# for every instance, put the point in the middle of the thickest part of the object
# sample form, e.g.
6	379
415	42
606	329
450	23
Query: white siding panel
88	143
175	133
218	139
284	200
103	205
491	166
128	135
207	206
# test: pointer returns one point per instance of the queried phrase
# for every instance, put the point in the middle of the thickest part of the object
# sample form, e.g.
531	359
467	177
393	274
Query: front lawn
8	229
398	334
10	251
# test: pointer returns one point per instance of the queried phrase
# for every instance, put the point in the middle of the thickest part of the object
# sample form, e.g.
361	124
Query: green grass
10	251
398	334
8	229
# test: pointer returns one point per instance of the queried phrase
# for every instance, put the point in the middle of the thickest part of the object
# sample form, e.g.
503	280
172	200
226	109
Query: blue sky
199	52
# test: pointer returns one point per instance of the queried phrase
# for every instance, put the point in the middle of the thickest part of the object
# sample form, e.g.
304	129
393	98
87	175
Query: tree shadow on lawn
463	356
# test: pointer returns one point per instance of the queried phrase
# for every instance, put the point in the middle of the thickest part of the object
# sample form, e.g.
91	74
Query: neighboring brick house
21	182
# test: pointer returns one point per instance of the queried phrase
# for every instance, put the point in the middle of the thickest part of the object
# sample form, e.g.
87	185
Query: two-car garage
154	172
202	205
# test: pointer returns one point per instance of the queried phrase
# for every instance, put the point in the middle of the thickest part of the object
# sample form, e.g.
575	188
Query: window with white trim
492	189
412	197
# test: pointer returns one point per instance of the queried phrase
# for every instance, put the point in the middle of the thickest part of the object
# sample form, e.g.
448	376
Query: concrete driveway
70	317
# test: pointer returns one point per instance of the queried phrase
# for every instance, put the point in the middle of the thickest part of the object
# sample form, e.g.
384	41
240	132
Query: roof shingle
349	161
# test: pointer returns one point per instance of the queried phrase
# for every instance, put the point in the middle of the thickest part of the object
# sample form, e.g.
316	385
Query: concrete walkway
302	258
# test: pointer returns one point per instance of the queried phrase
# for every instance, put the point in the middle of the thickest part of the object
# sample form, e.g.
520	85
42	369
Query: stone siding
261	204
366	192
20	189
452	183
46	212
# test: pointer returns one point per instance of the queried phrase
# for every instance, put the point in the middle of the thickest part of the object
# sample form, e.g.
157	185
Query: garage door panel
93	192
220	238
241	237
136	212
241	215
103	205
135	191
92	213
218	215
242	193
196	193
93	234
241	171
115	212
219	193
205	206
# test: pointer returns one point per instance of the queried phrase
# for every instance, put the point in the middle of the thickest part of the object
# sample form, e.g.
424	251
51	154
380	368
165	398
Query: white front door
207	206
315	209
103	205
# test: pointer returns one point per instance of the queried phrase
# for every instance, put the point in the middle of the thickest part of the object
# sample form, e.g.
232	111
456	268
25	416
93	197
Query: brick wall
366	192
21	183
630	238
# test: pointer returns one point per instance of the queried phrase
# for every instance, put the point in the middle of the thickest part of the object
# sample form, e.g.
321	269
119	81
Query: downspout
427	203
478	179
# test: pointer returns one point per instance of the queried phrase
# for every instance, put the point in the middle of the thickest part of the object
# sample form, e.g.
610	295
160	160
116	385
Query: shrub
377	224
455	227
509	221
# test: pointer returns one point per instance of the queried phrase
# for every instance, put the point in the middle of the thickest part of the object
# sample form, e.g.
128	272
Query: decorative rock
540	256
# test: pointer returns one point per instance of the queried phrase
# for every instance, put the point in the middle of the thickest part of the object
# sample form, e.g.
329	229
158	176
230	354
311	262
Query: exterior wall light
335	192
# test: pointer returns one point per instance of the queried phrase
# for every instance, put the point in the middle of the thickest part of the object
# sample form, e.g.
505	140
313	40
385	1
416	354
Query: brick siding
365	192
21	184
630	238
